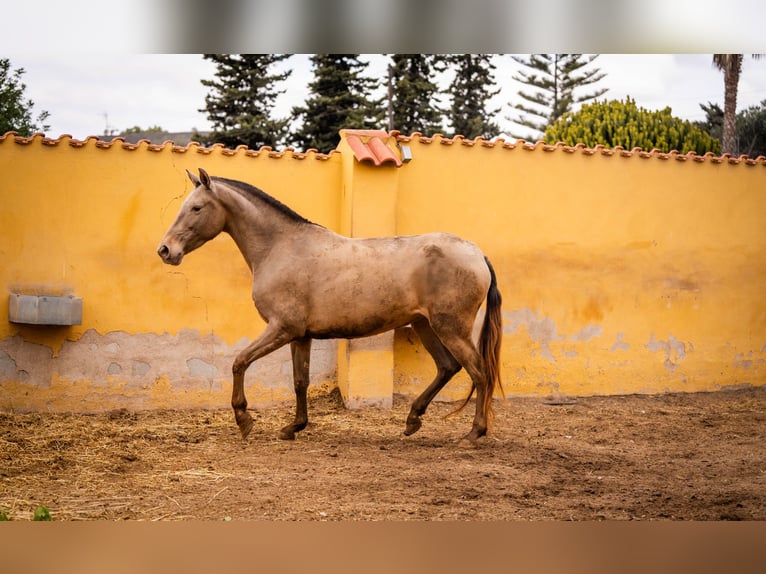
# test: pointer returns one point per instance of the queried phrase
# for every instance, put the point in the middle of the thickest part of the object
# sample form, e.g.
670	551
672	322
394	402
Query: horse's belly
350	321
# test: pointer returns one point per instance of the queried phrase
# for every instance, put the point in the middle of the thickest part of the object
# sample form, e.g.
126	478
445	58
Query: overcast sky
91	93
109	66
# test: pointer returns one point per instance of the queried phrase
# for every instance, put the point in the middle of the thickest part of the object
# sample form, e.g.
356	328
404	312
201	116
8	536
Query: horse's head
201	217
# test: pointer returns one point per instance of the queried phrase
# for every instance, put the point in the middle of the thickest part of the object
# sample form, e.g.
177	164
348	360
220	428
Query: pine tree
242	98
15	110
470	93
340	98
554	78
412	93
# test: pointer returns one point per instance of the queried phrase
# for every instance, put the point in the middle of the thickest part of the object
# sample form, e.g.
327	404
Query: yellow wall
89	220
86	220
620	272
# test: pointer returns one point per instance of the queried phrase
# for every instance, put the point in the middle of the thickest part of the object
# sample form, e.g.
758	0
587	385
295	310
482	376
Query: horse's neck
255	230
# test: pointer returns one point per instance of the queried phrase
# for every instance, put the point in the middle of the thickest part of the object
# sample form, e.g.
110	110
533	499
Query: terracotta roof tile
600	149
374	147
371	146
145	144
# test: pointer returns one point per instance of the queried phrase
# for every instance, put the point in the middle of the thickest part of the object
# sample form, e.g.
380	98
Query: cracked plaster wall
145	371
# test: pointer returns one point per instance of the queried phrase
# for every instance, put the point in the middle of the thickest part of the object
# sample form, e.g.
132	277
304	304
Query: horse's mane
253	193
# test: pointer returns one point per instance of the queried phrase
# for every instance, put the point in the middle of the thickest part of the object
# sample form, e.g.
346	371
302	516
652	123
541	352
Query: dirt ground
661	457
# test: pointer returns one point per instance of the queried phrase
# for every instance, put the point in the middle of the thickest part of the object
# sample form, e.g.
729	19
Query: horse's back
350	287
428	262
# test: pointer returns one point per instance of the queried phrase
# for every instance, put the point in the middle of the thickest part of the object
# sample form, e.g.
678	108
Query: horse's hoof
471	439
245	426
466	442
287	434
413	426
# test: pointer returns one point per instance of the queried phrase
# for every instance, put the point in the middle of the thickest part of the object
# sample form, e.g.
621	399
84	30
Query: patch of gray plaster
7	365
139	368
674	350
22	358
541	330
190	362
201	369
588	333
287	369
743	363
619	344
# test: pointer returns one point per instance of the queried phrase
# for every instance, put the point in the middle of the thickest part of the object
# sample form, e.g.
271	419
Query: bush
42	514
617	123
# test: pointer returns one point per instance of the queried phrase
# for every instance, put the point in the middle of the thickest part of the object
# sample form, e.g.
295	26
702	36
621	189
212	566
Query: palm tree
731	66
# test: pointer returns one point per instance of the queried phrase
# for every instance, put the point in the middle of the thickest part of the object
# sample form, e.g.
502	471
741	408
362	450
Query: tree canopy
622	123
413	92
553	79
339	97
470	91
751	131
750	137
241	100
15	108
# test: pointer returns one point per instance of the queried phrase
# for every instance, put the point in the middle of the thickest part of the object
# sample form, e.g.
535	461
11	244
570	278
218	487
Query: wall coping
415	137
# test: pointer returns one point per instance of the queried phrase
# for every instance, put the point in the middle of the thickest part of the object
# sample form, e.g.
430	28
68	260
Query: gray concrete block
44	309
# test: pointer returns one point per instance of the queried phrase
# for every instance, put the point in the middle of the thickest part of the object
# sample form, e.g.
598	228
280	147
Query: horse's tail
490	341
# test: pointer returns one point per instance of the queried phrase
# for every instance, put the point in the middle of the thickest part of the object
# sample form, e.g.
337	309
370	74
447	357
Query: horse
312	283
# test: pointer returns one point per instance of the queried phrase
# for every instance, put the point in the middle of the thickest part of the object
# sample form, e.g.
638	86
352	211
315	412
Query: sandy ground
662	457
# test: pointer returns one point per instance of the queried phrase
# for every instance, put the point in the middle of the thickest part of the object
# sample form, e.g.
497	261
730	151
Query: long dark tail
490	341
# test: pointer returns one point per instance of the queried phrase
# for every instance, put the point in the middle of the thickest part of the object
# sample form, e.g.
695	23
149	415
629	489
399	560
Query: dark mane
253	193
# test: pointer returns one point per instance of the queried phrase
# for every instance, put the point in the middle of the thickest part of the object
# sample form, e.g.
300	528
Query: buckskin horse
311	283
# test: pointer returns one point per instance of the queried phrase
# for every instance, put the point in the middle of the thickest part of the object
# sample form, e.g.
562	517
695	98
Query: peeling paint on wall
544	331
588	333
619	344
201	369
7	365
540	329
143	371
748	361
675	350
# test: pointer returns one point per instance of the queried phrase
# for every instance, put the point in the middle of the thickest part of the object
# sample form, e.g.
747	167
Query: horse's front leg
301	352
270	340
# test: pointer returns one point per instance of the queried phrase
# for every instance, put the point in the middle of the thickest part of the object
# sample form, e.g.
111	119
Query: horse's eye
196	209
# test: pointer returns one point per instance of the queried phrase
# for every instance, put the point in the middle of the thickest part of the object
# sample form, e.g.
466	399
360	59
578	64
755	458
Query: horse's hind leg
301	352
446	366
456	337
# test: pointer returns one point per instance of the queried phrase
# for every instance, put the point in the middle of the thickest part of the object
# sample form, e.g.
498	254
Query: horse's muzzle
171	259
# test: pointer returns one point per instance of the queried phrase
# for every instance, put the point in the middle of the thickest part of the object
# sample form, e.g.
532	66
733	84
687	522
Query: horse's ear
204	178
194	179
